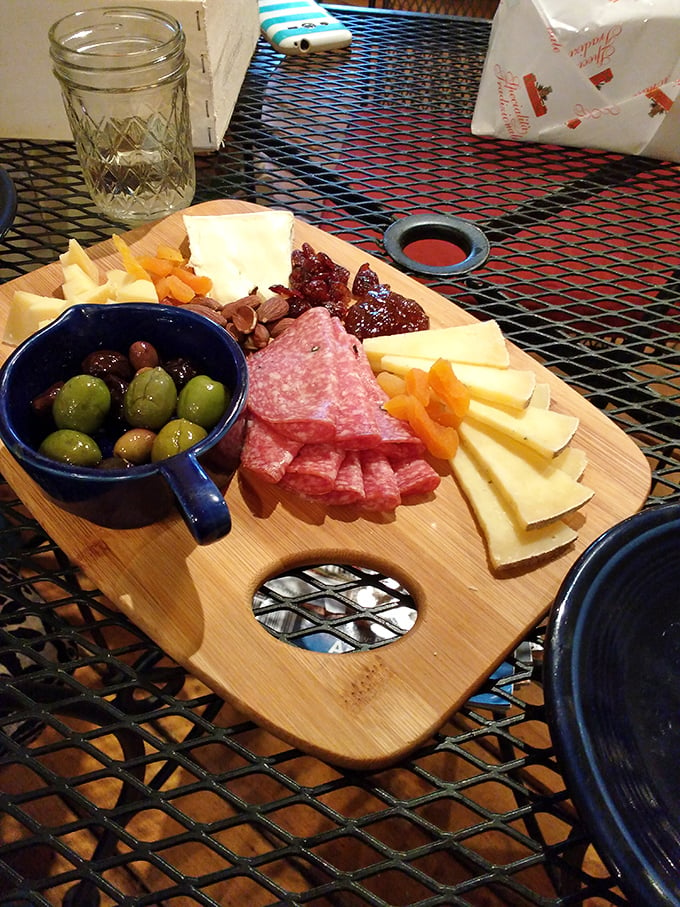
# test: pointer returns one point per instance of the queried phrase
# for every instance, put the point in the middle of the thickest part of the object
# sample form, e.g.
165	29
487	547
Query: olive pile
127	410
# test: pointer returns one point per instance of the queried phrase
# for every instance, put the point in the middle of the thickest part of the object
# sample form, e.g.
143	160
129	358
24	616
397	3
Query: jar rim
74	41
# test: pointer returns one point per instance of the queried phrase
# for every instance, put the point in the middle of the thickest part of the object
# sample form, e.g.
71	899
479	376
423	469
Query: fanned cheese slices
508	544
515	464
537	490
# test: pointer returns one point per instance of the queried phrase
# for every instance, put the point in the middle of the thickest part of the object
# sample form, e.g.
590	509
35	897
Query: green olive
176	436
135	446
72	447
202	401
150	399
82	404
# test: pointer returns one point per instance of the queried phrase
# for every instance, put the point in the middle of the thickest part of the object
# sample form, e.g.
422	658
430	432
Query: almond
273	309
208	302
280	326
236	334
230	307
260	336
245	319
217	317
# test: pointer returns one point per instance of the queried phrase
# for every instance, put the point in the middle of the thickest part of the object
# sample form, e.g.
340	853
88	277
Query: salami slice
356	425
392	431
415	476
266	452
315	468
294	382
349	482
348	489
380	484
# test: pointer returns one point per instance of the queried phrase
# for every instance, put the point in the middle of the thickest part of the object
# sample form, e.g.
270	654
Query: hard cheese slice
536	490
544	430
241	252
77	284
572	461
541	396
480	343
508	544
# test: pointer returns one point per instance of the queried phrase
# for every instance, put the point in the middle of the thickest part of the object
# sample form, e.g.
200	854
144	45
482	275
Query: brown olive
42	404
114	463
181	371
117	388
143	355
107	362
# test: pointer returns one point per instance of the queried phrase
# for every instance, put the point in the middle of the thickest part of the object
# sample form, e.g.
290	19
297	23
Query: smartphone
301	27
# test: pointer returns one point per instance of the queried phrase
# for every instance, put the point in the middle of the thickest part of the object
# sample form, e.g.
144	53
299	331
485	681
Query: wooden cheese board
361	710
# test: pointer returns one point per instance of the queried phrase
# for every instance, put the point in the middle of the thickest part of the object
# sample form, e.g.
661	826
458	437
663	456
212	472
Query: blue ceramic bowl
613	699
124	498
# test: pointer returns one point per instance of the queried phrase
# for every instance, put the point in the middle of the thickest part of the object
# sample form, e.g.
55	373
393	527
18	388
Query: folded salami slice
357	418
349	482
315	468
415	477
392	431
380	484
266	452
294	381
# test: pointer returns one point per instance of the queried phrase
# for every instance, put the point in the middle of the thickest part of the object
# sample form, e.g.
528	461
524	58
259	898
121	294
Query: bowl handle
199	500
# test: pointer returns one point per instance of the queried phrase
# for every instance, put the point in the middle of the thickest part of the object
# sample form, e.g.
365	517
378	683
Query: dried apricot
130	263
440	440
200	285
418	385
449	389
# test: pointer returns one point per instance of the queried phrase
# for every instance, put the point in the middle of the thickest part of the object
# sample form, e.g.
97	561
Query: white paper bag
590	73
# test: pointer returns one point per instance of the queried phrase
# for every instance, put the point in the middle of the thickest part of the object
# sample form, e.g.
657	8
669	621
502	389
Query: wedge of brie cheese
241	252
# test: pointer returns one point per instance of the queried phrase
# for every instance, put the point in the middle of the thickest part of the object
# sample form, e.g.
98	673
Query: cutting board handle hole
335	608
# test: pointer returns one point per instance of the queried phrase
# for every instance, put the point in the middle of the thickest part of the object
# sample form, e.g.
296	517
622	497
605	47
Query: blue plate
8	202
613	699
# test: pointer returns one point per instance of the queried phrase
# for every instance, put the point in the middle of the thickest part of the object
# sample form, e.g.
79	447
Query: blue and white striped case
301	27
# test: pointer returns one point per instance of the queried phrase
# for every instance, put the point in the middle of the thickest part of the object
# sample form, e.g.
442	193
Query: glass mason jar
123	80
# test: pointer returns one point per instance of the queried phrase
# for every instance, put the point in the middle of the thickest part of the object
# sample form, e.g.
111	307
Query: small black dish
443	227
613	699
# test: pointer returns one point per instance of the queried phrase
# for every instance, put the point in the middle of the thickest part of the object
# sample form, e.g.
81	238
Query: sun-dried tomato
317	280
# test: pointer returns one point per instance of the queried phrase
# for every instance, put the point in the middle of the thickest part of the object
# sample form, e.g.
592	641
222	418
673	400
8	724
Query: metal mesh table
125	781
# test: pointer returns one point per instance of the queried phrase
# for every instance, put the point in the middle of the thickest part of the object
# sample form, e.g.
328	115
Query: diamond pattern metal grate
124	781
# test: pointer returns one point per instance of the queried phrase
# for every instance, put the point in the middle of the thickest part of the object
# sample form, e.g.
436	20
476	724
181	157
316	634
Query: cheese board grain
366	709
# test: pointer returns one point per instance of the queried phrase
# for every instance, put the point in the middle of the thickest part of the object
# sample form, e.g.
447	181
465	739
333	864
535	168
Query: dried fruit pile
368	309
